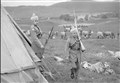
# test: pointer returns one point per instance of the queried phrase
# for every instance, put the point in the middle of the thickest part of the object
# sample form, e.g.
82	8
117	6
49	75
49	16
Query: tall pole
80	51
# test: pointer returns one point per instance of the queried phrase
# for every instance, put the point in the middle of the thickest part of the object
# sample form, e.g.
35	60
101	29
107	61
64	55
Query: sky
41	2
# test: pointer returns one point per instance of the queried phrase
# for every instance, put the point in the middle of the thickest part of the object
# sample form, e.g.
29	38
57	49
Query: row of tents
18	60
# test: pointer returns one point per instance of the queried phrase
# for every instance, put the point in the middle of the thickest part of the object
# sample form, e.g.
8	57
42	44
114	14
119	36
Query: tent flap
14	55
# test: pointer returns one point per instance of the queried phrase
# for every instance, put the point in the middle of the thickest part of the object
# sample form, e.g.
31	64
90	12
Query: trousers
74	58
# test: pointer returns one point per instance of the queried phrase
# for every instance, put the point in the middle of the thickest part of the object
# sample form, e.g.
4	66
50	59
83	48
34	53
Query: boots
73	73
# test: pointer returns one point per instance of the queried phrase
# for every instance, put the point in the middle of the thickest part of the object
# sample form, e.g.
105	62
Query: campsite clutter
99	67
29	57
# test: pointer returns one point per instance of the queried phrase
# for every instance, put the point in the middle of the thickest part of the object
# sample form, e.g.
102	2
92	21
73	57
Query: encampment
17	58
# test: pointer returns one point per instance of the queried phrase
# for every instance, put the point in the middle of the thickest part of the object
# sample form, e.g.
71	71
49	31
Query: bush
67	17
104	16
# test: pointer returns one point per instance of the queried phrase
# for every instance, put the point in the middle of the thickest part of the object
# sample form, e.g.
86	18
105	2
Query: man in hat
34	18
38	30
74	48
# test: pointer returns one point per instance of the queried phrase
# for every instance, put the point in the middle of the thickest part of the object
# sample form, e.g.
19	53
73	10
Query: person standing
73	46
37	46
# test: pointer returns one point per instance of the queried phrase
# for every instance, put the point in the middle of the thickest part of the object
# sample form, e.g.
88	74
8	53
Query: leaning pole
81	44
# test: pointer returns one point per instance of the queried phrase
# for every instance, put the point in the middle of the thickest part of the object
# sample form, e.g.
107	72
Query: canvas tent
17	65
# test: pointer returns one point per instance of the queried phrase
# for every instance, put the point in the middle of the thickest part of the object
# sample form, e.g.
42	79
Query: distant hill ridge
64	7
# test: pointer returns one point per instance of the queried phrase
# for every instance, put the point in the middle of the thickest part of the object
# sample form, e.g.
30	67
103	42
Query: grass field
93	47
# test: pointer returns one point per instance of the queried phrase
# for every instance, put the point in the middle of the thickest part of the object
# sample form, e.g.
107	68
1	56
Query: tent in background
17	66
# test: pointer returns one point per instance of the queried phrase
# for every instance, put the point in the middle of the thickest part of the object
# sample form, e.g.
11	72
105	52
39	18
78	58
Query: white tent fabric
9	66
16	49
14	55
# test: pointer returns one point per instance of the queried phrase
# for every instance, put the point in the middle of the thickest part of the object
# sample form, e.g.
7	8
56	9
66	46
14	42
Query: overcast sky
40	2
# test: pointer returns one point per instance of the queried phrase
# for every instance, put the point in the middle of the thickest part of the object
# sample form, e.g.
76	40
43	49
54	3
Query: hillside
90	6
26	11
64	7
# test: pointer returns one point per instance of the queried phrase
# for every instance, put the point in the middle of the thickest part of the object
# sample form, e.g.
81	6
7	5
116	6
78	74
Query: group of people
74	46
90	34
106	34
